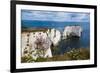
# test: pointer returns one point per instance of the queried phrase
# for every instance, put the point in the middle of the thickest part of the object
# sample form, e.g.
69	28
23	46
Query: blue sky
54	16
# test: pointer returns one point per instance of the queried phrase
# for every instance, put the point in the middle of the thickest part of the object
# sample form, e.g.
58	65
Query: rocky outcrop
36	43
72	31
54	35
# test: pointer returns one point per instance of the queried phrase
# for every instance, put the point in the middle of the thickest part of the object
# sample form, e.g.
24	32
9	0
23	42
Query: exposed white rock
34	42
23	41
39	43
54	35
72	30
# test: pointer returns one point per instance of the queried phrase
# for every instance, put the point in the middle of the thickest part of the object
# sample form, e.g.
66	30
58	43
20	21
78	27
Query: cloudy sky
54	16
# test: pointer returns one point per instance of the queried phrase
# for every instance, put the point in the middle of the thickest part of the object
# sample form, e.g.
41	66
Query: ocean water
65	45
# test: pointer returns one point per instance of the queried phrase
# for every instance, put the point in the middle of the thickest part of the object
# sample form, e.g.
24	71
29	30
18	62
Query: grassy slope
74	54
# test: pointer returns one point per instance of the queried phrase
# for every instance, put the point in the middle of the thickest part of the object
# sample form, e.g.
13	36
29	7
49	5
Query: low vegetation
74	54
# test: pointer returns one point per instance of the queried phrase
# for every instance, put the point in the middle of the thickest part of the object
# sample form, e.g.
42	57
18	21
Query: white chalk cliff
72	31
39	43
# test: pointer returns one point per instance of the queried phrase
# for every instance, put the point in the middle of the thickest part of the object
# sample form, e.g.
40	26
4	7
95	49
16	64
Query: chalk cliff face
72	31
38	43
54	35
35	41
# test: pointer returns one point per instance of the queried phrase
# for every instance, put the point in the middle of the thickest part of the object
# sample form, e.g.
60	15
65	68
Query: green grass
74	54
34	30
27	59
78	54
40	59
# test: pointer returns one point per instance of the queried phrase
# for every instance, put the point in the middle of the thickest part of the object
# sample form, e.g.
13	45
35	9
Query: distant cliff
70	31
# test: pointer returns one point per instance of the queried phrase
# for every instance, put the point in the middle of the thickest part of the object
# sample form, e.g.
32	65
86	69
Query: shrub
27	59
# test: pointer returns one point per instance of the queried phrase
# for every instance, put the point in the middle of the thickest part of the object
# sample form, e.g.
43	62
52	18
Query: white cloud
54	16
